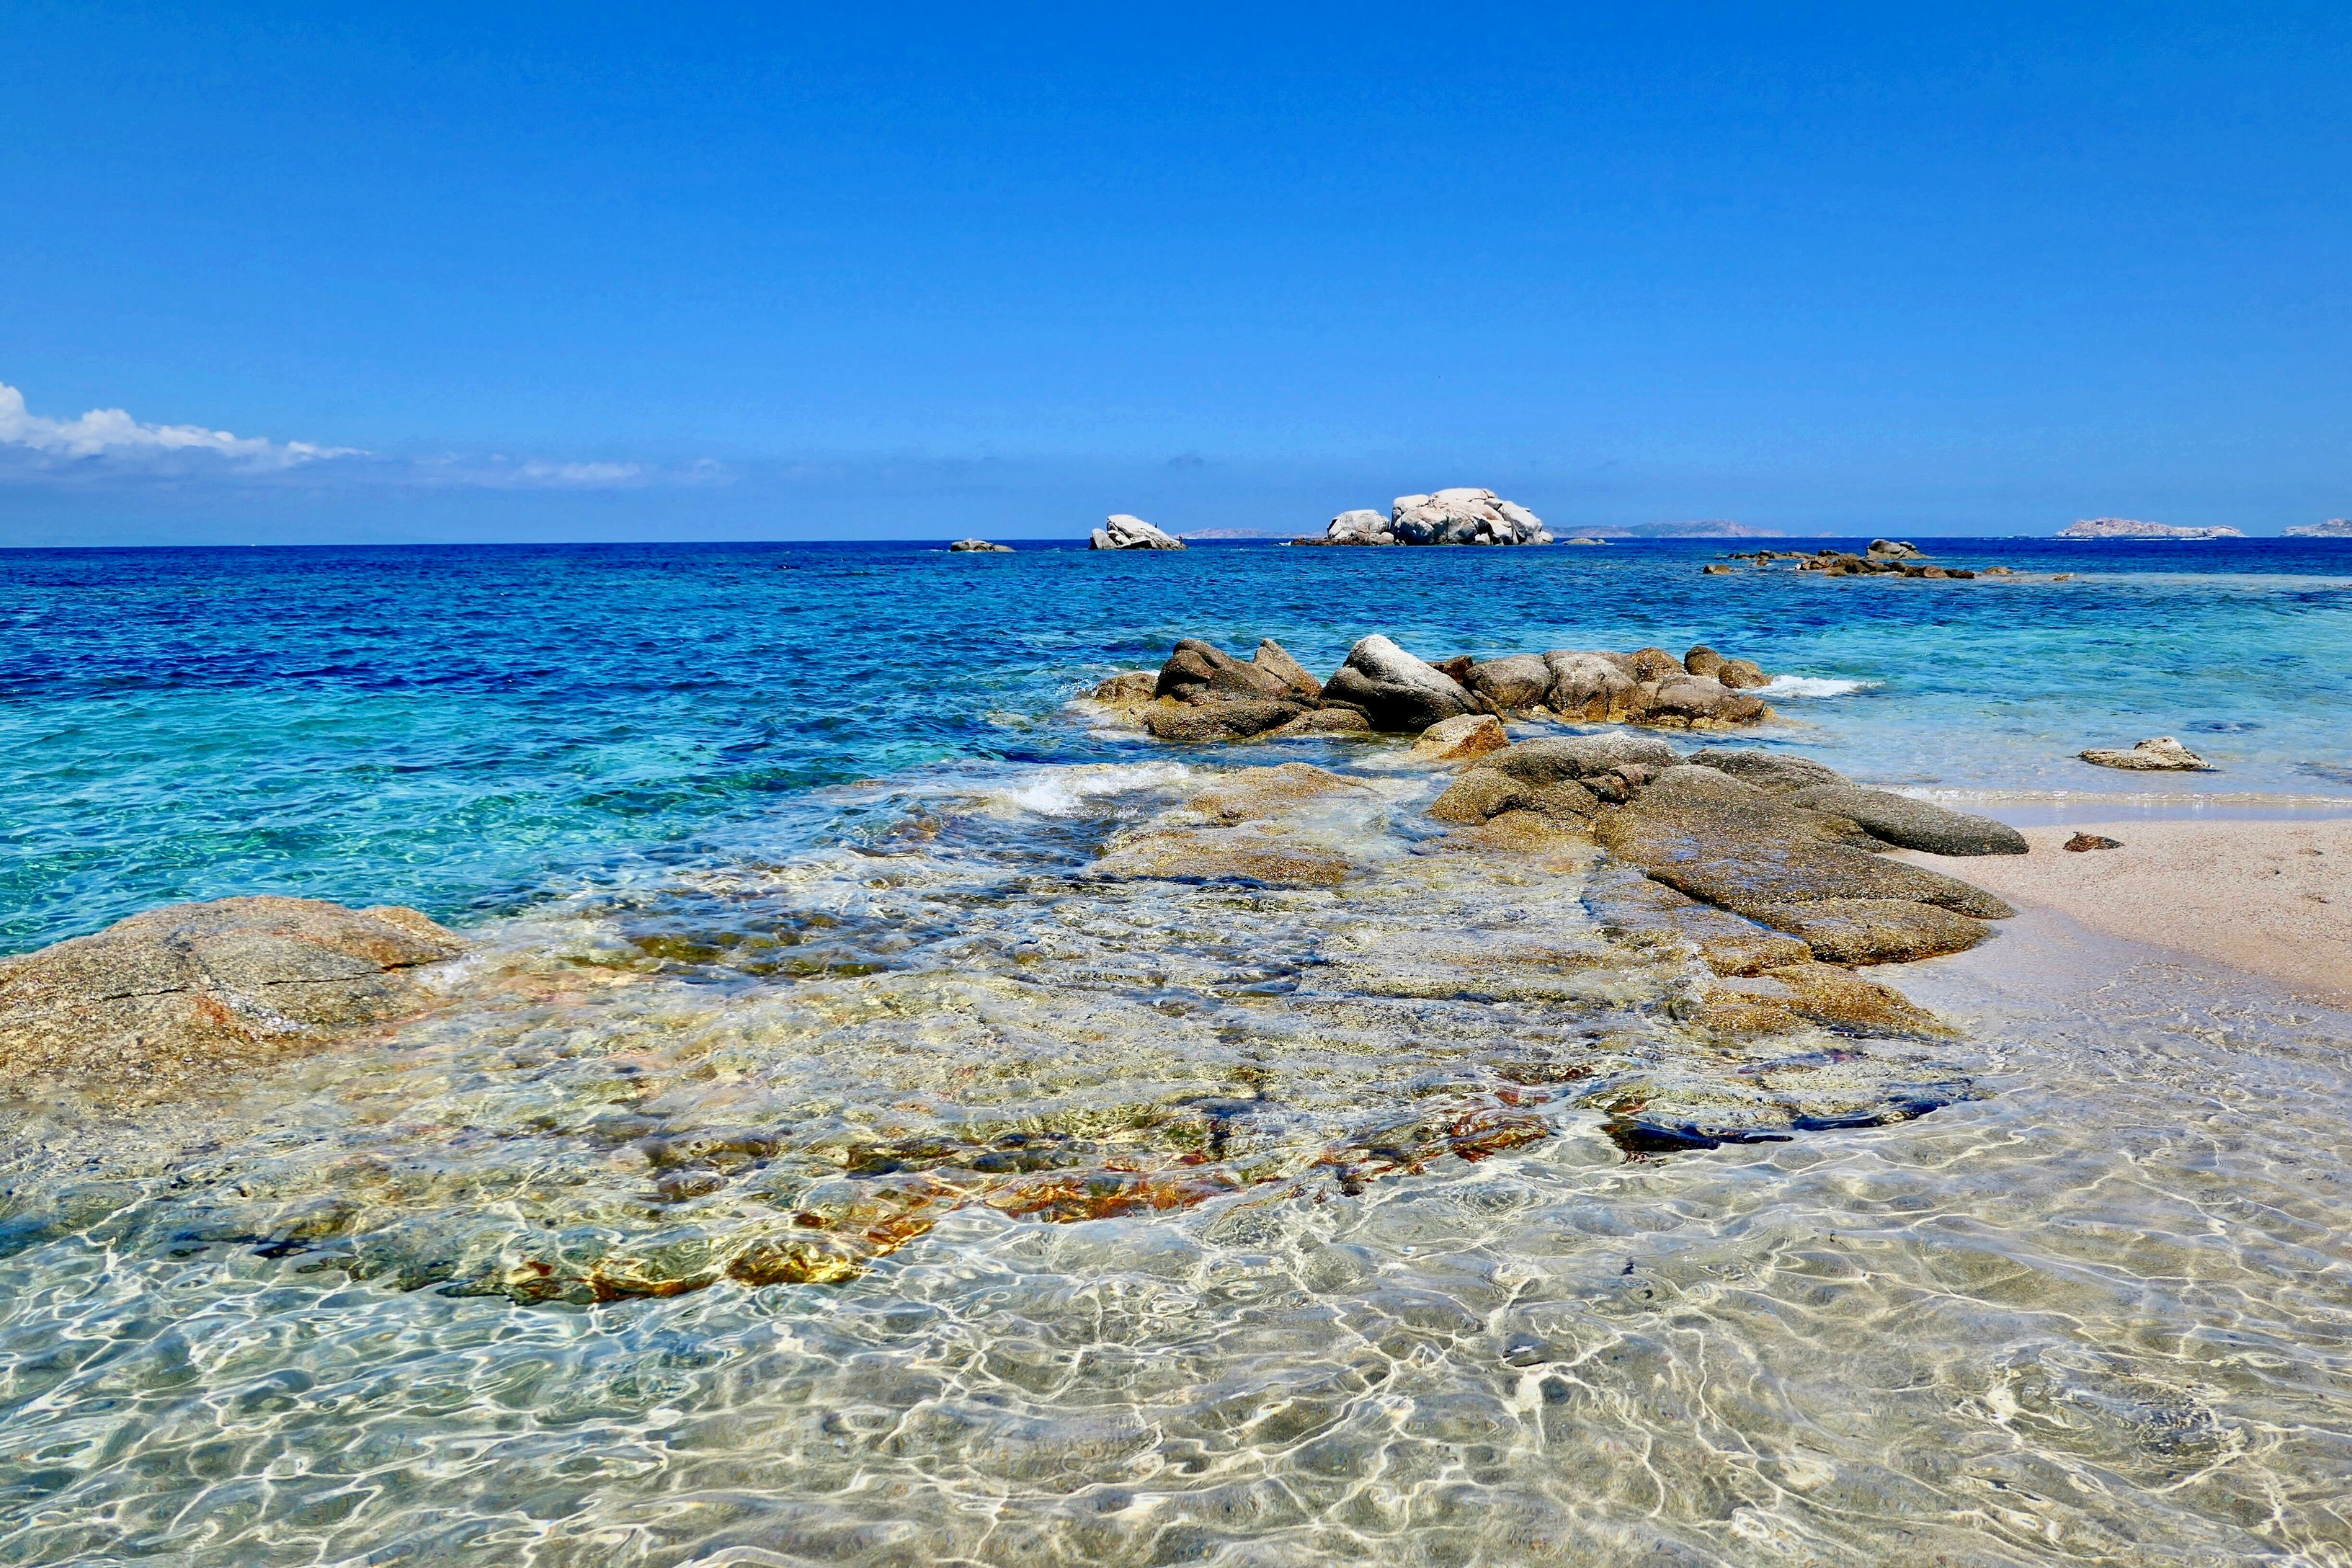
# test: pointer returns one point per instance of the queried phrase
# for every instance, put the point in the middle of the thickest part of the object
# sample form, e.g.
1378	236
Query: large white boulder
1464	516
1122	531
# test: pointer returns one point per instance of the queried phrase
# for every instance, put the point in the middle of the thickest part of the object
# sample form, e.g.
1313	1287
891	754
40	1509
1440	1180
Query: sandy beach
2272	898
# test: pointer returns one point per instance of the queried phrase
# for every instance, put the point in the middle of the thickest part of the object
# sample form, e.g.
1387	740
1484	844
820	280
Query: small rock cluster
1122	531
1779	840
1459	516
1884	558
1203	693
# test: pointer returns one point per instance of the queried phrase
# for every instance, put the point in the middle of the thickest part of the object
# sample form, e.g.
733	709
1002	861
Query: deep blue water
469	730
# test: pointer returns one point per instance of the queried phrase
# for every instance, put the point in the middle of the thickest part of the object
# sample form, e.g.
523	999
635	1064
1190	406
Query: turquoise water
470	731
1164	1222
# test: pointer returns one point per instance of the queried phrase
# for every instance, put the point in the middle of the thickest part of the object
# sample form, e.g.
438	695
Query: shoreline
2268	898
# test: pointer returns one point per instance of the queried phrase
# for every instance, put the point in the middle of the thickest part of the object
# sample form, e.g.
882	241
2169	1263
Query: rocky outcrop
1362	526
2333	528
191	991
1128	691
1895	550
1394	689
1775	772
1391	690
978	547
1460	739
1461	516
2162	754
1122	531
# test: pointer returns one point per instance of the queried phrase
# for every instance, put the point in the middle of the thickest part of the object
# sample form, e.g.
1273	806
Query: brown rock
1593	687
1742	674
1127	690
196	990
1478	794
1276	660
1461	738
1655	664
1635	909
1703	660
2083	842
2162	754
1782	997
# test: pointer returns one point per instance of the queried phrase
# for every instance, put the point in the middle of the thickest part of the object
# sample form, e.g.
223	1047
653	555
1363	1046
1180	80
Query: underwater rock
1247	793
1394	689
203	989
978	546
1461	738
1122	531
1912	824
1251	853
2162	754
1780	999
1636	909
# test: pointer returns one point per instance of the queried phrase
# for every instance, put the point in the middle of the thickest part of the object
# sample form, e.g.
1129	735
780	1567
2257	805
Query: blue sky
673	272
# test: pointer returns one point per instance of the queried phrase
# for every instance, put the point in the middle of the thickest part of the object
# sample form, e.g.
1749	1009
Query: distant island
2132	527
2333	528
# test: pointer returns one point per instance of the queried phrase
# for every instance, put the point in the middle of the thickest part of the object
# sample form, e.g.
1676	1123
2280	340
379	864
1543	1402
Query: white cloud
112	433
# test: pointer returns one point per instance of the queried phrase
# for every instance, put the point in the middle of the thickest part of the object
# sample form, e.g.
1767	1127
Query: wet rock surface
1394	689
2161	755
193	991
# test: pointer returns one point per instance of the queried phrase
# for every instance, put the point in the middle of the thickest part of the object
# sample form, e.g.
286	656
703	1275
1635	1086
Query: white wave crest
1814	686
1059	792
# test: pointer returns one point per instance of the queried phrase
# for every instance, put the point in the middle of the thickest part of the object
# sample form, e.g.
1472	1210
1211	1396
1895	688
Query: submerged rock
2162	754
1912	824
195	990
1394	689
1122	531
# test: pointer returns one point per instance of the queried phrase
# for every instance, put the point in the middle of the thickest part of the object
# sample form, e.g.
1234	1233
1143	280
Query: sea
814	1161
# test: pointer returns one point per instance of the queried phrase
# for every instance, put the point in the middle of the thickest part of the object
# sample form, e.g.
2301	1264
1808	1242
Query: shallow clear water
817	1161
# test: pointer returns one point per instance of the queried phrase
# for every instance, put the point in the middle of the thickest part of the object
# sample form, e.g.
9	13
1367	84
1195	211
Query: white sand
2272	898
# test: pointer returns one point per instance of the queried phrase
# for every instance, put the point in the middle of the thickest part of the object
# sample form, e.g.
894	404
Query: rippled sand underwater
932	1197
